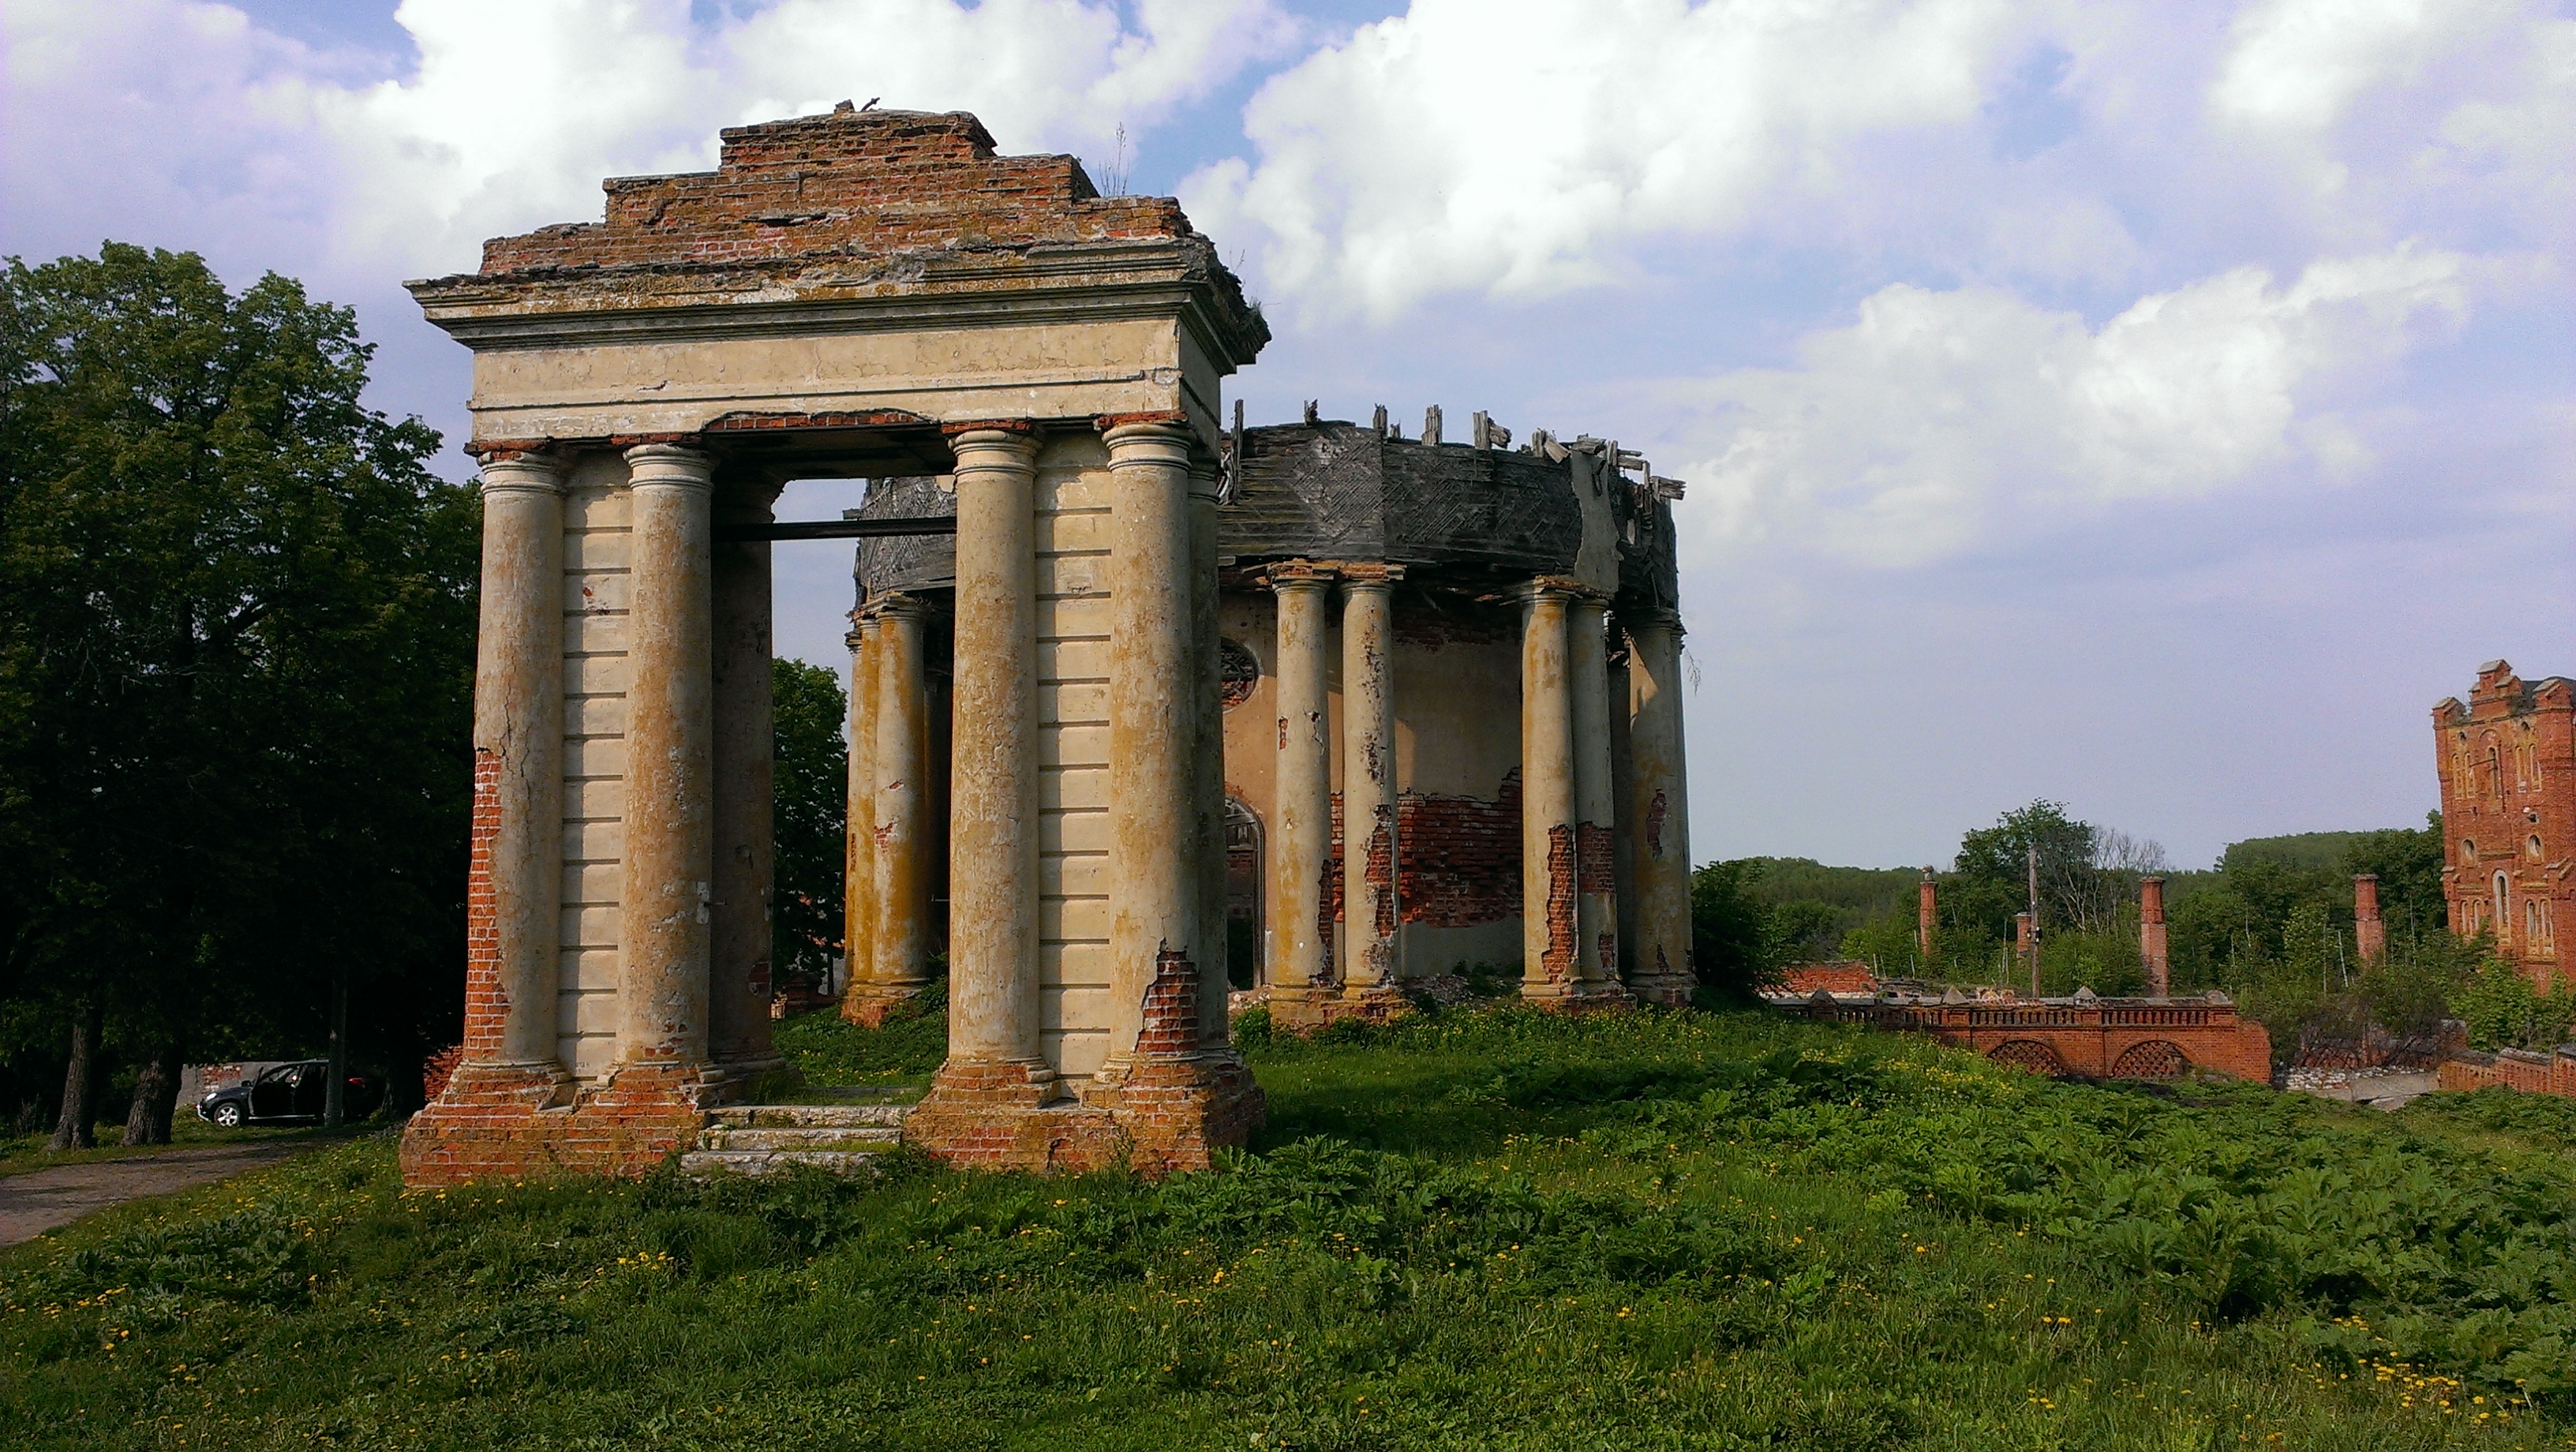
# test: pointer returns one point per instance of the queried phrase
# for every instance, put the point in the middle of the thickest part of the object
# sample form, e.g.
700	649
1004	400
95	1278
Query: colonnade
692	988
1571	817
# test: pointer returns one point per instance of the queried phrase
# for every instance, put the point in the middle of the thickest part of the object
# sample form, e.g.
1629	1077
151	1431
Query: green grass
1487	1230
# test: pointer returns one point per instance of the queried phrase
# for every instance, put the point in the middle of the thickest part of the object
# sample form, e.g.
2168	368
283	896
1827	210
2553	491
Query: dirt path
39	1200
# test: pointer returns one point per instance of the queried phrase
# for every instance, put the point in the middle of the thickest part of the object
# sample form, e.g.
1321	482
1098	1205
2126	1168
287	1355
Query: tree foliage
236	658
811	818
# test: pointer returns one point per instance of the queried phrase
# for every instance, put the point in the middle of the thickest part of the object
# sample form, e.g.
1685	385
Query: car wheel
227	1115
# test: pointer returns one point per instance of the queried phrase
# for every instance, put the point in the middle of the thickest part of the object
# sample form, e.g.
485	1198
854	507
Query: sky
2148	405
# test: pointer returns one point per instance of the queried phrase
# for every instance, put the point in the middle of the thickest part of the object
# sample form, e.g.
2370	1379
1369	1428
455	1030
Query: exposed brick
2507	765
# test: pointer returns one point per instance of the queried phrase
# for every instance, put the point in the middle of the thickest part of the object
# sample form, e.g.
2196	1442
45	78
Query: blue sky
2153	406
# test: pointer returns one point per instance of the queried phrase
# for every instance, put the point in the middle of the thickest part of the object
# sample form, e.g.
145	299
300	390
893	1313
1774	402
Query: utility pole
2034	920
335	1101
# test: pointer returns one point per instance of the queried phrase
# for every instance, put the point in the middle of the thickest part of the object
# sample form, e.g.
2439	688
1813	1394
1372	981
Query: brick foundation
514	1123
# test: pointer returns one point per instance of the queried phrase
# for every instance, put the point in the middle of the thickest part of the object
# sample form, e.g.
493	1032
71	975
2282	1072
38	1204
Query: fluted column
746	793
1658	818
859	863
1208	715
900	937
1154	921
1595	803
1548	885
513	963
1301	812
670	728
1370	913
993	797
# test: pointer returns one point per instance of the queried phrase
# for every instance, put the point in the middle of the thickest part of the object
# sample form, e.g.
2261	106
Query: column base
1670	990
1317	1009
514	1122
1587	996
1156	1117
870	1005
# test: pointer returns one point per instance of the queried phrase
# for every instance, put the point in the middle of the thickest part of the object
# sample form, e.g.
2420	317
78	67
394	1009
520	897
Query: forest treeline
237	621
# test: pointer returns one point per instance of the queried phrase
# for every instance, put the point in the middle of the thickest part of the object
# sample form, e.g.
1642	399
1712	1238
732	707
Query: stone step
770	1162
859	1137
807	1116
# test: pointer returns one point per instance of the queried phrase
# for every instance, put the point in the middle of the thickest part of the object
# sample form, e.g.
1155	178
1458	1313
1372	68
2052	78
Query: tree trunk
71	1130
156	1093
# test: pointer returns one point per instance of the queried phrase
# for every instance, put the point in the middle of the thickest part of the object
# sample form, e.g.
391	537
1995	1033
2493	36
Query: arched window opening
1246	964
2534	924
2503	912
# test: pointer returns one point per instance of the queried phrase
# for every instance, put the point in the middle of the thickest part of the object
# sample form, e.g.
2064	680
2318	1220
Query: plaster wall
1073	545
596	514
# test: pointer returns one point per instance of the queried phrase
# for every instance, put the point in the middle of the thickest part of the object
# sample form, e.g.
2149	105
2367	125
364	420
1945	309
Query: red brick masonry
2106	1039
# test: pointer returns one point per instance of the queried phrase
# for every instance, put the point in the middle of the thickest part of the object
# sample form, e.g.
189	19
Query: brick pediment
849	184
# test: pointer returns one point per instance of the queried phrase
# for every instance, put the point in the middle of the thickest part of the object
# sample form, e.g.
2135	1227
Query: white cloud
2299	63
516	110
1481	146
1937	420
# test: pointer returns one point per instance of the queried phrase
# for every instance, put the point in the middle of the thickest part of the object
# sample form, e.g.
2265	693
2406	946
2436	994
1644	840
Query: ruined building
2507	761
1044	672
1466	649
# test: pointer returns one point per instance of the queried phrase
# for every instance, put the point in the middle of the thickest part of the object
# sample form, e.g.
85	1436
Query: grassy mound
1488	1230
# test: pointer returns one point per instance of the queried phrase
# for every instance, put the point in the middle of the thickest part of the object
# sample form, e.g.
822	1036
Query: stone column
745	790
513	971
1154	918
1301	813
2152	949
899	938
1371	916
859	863
1658	819
993	798
670	729
1550	966
1596	937
2369	934
1927	916
1208	713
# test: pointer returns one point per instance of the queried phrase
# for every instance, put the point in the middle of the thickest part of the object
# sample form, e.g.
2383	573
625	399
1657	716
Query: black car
287	1094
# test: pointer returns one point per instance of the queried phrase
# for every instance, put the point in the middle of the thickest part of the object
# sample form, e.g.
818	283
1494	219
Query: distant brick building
2507	761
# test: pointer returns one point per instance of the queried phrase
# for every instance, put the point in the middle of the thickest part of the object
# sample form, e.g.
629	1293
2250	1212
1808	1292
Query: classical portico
859	295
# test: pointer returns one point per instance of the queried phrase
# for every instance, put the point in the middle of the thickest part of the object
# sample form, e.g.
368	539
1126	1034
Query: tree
811	817
1732	945
236	662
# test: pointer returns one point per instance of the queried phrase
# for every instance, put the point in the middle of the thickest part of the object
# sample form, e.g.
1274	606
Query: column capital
1135	440
1010	445
517	472
670	465
1547	589
1367	575
895	602
1298	574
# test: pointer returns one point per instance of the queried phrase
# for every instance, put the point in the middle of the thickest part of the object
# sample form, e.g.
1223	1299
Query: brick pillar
2026	949
1658	818
2151	937
1551	970
745	786
670	728
1301	813
1927	916
1596	935
859	1004
1371	917
899	755
993	1044
2369	934
513	931
1154	918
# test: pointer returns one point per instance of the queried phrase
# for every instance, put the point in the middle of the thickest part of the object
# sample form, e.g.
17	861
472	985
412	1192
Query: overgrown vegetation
1473	1230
